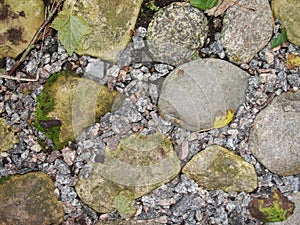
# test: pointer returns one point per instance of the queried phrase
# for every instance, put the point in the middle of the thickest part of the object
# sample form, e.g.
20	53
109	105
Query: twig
31	44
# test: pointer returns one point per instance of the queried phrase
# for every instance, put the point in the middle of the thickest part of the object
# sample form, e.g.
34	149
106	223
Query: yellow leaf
223	120
292	61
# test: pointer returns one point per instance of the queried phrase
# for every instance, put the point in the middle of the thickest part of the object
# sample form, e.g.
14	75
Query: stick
31	44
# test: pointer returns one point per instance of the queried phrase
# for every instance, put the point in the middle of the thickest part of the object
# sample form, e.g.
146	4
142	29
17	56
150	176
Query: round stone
275	137
175	33
247	28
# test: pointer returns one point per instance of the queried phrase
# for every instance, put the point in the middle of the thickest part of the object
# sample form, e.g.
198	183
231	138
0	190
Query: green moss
45	105
3	179
124	203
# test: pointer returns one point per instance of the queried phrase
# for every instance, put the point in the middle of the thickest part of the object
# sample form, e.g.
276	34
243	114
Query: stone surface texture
77	103
197	92
110	24
19	20
217	168
29	199
247	28
275	137
293	219
138	165
175	33
288	13
7	136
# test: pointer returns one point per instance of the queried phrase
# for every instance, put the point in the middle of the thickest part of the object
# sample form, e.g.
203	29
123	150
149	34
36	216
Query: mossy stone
7	136
19	21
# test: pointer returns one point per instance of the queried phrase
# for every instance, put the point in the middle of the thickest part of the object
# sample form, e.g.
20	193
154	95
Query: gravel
180	201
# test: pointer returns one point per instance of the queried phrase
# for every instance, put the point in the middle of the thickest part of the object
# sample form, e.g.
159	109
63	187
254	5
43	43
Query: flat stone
7	136
110	24
197	92
274	137
293	219
76	102
175	33
247	28
18	24
288	13
29	199
216	168
138	165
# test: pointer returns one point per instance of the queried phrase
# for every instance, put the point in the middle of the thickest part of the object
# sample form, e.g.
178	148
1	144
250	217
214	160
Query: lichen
124	203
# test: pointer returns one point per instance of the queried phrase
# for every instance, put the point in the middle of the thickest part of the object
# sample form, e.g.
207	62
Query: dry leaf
223	120
220	8
292	61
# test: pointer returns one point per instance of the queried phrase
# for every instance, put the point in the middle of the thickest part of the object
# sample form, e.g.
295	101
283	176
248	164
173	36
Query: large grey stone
110	24
275	136
247	28
218	168
288	13
19	20
29	199
138	165
175	33
197	92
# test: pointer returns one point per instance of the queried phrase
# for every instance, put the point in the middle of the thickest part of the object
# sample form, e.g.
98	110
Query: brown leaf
220	8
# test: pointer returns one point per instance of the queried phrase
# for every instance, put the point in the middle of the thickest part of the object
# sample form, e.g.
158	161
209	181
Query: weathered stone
293	219
175	33
197	92
110	24
272	209
218	168
7	136
138	165
288	13
247	28
19	20
274	137
29	199
74	101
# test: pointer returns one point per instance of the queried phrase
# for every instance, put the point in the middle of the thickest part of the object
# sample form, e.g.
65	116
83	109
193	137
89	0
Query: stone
19	21
275	208
176	32
75	102
7	136
110	24
197	92
126	222
288	13
247	28
275	133
293	219
29	199
138	165
217	168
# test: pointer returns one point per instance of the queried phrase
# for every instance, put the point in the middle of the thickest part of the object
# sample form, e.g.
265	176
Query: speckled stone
288	13
217	168
247	28
275	138
175	33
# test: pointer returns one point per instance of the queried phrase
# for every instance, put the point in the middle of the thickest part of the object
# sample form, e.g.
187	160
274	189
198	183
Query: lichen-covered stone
272	209
110	24
29	199
7	136
247	28
217	168
275	133
19	21
175	33
138	165
197	92
74	101
288	13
